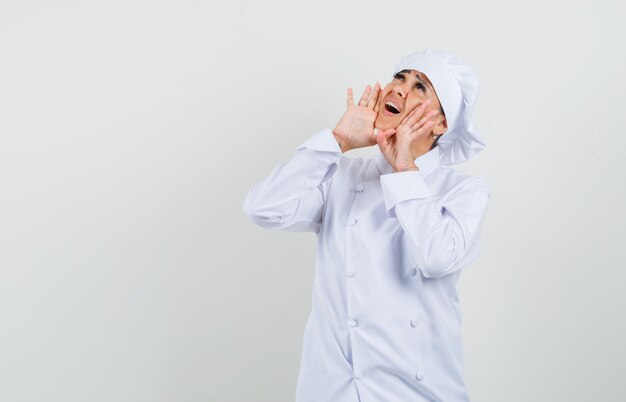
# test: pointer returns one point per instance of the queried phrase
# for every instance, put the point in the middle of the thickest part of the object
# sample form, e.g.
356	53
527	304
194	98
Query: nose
401	90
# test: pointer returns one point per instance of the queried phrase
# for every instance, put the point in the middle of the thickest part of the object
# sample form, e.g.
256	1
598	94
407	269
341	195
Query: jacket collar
427	162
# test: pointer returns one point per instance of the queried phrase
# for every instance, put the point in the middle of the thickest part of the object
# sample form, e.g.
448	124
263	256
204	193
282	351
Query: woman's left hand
398	145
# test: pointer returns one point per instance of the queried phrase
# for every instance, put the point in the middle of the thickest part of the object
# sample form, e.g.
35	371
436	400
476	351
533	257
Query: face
407	90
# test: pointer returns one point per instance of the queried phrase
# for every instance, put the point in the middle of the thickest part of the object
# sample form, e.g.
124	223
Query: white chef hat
456	85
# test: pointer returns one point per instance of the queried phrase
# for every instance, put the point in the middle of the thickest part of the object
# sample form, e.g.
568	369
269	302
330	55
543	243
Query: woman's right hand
356	127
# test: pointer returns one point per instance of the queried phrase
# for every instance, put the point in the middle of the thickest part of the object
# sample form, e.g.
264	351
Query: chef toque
456	86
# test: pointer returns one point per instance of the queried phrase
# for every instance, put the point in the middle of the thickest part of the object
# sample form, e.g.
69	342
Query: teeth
393	105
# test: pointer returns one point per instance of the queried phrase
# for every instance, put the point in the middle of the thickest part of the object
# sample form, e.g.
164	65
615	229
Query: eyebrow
419	79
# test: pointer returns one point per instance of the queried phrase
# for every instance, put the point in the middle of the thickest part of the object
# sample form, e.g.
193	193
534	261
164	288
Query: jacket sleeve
443	237
293	195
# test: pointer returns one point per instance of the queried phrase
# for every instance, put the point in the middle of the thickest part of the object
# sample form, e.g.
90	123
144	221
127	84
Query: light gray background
130	132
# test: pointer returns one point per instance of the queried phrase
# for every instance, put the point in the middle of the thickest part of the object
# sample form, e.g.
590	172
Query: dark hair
437	140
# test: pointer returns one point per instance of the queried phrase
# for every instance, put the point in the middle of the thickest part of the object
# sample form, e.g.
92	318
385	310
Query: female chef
394	232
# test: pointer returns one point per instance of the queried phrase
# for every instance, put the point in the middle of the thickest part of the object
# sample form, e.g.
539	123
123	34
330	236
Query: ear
441	127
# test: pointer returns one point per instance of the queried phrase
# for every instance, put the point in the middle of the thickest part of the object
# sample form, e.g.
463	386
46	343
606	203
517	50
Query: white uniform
385	323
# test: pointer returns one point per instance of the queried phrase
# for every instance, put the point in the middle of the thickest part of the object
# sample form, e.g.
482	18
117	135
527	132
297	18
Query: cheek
415	101
410	106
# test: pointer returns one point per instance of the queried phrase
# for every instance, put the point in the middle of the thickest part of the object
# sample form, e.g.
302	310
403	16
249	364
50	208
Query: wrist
407	168
343	144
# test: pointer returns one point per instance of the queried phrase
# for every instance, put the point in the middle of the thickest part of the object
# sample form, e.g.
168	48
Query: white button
358	375
419	376
352	322
414	322
350	274
359	187
411	271
352	222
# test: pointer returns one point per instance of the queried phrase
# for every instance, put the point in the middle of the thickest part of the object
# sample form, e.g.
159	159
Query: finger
377	132
350	98
383	137
374	98
388	133
426	118
366	94
381	141
409	117
416	113
379	99
423	130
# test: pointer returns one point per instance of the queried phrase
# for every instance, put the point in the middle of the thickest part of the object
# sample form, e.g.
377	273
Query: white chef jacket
385	322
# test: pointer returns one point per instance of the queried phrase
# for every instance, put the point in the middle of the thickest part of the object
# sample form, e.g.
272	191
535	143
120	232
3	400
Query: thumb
383	136
388	133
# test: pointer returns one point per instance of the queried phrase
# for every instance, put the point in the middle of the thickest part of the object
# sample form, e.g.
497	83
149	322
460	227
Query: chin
385	123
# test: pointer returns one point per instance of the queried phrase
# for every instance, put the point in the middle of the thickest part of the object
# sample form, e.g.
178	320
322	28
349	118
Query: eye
419	85
399	76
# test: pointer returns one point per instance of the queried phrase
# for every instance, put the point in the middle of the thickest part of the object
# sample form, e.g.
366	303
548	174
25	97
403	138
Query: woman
394	232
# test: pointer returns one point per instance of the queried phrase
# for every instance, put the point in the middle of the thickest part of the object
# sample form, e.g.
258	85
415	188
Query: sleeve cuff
402	186
322	141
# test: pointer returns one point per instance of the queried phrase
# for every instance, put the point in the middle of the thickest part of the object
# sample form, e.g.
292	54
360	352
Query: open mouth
392	108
